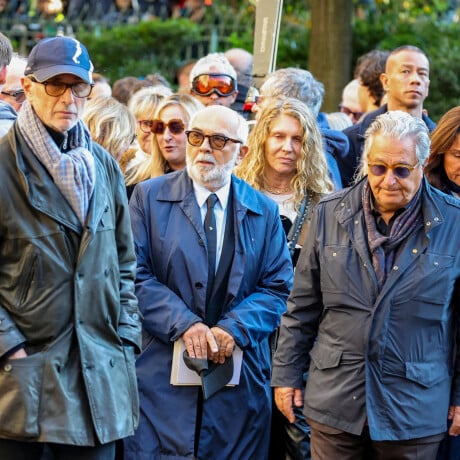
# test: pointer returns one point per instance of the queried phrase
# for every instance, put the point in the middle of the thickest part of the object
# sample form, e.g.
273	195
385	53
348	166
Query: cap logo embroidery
77	53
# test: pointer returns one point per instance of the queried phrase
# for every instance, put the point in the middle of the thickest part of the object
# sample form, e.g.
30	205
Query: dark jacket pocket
21	382
325	357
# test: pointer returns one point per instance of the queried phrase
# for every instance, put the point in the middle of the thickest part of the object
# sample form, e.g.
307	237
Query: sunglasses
18	95
221	84
175	126
399	170
347	111
216	141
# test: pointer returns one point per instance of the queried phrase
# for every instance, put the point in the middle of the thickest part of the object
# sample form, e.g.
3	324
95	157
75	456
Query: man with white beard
213	285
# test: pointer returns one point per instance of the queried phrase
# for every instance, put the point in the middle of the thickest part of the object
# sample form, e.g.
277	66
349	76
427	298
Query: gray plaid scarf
383	248
74	171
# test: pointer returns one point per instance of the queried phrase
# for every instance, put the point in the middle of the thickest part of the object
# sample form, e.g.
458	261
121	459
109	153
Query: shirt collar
202	193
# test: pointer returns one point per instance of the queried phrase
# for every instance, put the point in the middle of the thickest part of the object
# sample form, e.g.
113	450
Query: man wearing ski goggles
213	81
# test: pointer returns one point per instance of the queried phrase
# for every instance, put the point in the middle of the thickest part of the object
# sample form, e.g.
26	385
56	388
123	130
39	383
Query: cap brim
50	72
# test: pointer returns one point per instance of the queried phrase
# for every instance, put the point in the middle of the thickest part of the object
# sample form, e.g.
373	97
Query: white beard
211	177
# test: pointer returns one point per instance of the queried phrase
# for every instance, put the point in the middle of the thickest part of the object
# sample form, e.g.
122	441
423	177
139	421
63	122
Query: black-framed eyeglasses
401	171
56	89
18	94
356	115
216	141
176	126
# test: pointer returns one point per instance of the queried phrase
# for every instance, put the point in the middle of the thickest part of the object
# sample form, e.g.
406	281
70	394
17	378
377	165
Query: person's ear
241	154
384	80
3	70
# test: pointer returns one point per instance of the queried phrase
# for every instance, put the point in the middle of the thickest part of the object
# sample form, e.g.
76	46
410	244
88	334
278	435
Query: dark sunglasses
347	111
206	84
399	170
216	141
176	126
18	95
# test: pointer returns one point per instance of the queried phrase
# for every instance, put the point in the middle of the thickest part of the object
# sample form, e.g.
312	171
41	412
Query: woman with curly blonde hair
286	161
168	127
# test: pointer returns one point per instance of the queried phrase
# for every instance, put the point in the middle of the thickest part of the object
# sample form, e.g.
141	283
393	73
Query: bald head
219	114
242	61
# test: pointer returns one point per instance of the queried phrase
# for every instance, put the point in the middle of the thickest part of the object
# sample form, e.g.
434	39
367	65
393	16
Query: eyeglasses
216	141
145	125
399	170
176	126
18	95
347	111
206	84
56	89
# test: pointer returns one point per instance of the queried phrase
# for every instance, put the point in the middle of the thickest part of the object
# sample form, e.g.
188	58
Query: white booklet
182	375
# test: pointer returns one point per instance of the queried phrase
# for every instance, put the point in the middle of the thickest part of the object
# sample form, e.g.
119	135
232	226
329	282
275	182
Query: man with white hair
213	272
373	313
213	80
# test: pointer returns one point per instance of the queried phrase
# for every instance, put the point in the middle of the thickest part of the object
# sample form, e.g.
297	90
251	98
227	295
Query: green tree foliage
154	46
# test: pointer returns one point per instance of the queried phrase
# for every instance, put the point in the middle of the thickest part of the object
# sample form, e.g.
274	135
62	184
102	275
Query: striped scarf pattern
73	172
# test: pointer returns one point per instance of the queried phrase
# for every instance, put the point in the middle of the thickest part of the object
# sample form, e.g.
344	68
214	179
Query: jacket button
112	362
135	316
201	242
7	367
198	285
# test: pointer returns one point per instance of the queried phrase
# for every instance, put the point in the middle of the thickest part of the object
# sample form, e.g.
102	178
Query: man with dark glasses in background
213	80
374	309
12	91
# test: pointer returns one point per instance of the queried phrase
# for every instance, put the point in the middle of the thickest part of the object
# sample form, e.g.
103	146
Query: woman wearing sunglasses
286	162
168	133
135	163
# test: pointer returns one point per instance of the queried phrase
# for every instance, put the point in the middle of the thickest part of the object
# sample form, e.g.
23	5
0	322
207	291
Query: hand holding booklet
211	376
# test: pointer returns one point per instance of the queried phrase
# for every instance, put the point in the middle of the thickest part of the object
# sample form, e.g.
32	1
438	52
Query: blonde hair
143	104
312	172
146	100
110	123
189	106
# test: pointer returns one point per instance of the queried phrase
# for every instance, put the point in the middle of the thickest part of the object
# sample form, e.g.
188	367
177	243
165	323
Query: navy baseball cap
58	55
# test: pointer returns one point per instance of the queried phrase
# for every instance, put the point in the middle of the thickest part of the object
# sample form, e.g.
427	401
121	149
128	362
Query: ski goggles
401	171
221	84
175	126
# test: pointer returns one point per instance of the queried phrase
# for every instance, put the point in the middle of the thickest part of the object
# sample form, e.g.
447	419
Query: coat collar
178	187
46	197
350	203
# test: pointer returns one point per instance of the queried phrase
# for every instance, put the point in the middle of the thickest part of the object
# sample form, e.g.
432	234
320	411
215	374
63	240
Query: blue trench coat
171	288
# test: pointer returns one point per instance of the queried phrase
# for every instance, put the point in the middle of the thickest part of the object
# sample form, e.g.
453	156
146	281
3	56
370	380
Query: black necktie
210	231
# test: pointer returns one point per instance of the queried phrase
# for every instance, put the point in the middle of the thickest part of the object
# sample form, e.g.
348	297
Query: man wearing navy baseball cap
69	321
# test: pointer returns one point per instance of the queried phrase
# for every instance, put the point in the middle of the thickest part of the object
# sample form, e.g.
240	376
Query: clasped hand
213	343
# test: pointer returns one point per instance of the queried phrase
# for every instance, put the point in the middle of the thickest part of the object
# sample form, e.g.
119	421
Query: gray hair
398	125
297	83
6	50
